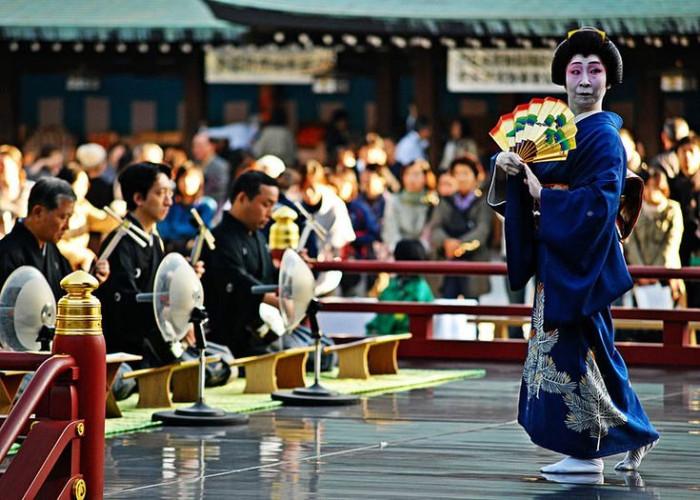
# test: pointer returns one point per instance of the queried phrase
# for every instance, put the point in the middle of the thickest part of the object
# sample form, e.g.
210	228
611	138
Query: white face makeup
586	83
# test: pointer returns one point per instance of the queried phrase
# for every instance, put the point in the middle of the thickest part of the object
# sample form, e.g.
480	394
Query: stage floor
458	440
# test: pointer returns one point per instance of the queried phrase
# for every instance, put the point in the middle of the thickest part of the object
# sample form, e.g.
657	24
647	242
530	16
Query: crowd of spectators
369	194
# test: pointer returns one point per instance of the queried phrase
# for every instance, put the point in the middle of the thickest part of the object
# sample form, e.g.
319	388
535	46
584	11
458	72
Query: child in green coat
402	288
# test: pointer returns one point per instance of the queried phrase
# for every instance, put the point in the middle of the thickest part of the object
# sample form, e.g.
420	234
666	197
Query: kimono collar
135	221
583	116
132	218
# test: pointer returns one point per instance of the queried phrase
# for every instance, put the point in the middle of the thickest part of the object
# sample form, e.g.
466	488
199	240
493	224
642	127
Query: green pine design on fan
521	123
541	130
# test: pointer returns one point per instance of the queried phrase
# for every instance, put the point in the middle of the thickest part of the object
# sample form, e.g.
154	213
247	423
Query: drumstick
311	225
203	236
124	229
130	225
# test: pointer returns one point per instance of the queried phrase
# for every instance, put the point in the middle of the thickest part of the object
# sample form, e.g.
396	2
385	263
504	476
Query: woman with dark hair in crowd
48	164
461	229
178	229
364	222
409	288
408	212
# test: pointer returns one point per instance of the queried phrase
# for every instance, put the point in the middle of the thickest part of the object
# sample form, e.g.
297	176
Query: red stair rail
63	453
42	381
47	464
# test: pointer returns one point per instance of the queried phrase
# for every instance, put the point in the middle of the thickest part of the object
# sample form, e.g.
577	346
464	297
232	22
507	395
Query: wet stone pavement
458	440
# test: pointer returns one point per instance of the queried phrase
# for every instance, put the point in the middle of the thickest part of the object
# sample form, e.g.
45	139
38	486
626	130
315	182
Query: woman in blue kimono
575	397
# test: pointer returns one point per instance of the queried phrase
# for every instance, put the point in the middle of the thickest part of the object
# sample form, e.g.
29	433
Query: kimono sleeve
583	269
496	196
508	197
521	254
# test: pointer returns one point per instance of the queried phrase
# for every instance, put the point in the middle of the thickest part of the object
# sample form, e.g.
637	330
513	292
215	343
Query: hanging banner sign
267	65
500	70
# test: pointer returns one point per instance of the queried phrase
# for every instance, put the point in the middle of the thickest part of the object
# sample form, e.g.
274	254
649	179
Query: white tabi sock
575	478
633	459
571	465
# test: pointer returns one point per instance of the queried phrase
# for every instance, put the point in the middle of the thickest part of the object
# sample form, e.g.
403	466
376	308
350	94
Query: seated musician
240	260
130	326
32	241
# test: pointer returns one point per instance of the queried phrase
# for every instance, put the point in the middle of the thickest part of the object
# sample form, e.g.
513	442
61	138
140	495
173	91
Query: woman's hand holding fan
510	163
542	130
534	186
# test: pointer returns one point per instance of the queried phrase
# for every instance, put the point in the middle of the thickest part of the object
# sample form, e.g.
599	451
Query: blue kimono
575	397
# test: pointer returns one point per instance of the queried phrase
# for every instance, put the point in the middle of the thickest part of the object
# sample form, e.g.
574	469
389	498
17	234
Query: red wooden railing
675	349
62	410
478	268
48	463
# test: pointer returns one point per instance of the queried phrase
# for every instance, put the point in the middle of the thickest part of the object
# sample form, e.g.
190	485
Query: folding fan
541	130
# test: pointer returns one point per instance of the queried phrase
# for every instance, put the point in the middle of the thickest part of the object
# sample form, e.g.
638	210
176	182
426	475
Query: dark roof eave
263	19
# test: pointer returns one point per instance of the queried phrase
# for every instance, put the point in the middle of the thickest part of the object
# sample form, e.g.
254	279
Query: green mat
231	398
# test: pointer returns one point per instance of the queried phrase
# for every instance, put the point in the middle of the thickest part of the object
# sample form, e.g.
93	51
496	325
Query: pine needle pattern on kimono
540	372
592	410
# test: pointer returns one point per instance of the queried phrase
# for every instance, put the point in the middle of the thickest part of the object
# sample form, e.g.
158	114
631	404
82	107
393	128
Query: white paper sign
500	70
267	65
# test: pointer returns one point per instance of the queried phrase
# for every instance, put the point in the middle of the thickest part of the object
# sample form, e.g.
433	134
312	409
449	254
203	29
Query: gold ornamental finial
284	233
79	489
79	312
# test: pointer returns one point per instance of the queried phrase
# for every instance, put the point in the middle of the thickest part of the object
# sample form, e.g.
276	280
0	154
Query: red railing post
79	333
676	334
421	326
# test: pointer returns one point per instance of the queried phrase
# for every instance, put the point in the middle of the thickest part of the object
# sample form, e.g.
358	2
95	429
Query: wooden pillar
426	95
195	93
649	115
387	92
267	101
9	99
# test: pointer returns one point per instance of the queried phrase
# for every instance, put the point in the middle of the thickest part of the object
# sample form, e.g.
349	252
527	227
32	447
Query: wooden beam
649	116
